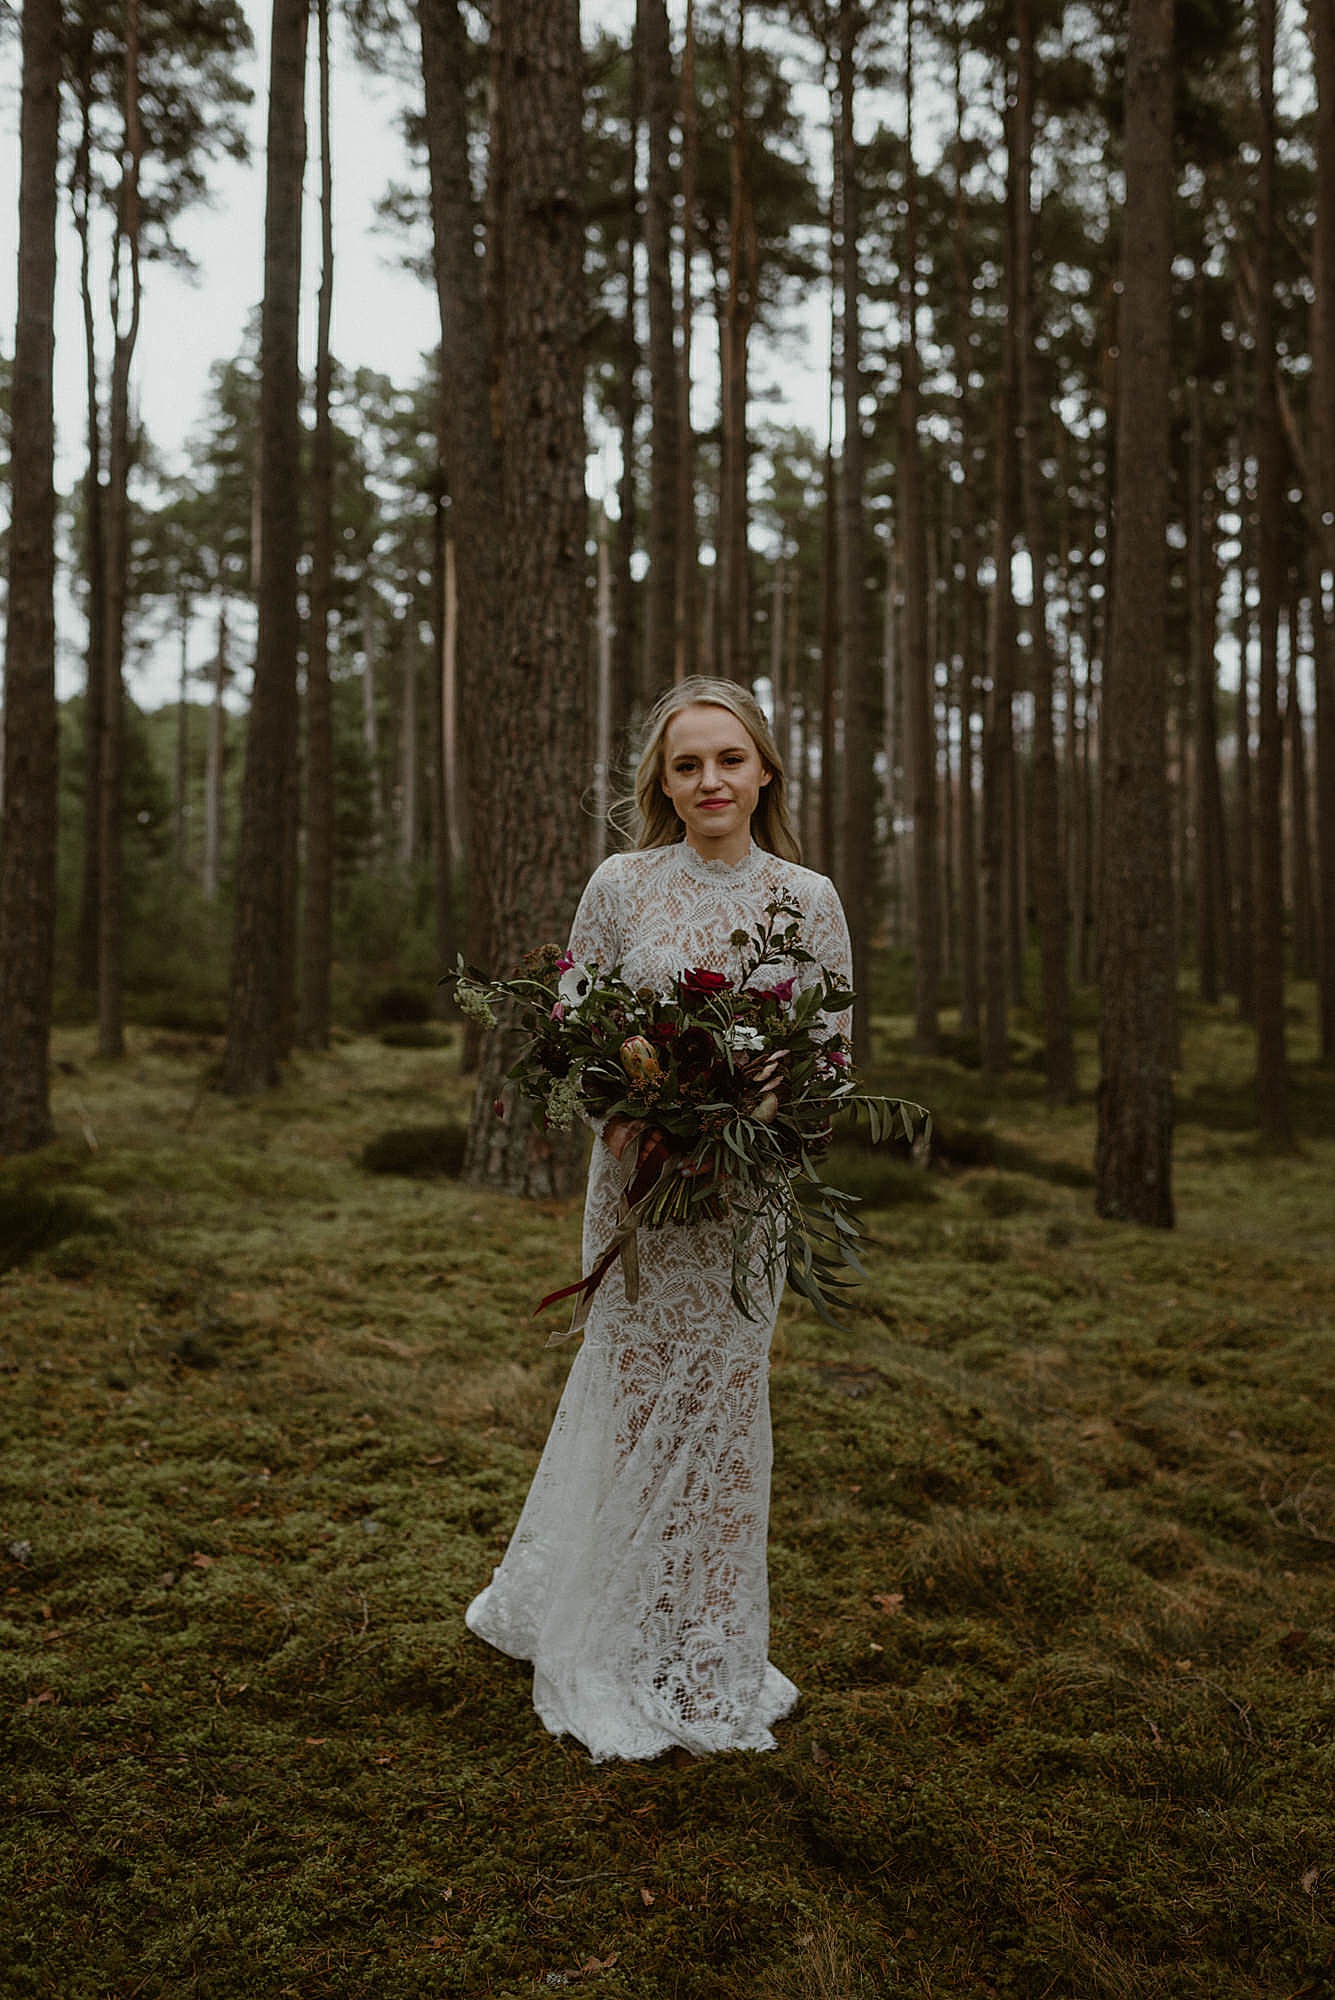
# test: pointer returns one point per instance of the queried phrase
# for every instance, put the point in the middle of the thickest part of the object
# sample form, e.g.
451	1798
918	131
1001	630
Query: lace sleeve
595	935
827	940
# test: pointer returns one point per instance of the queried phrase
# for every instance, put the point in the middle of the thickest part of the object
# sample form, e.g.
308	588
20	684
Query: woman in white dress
635	1580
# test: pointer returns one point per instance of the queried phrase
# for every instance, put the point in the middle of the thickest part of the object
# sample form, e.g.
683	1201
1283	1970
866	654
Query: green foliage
1049	1560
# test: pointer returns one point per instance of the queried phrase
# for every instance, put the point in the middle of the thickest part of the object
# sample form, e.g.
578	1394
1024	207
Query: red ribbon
653	1156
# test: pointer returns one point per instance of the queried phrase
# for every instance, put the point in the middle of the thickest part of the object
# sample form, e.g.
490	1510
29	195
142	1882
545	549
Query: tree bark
1133	1157
258	1019
472	371
966	573
660	595
1048	871
94	544
625	681
688	576
1271	1059
125	259
441	720
859	706
31	775
998	827
1211	857
735	570
1321	19
318	911
919	680
408	844
539	702
371	714
1301	892
215	765
181	768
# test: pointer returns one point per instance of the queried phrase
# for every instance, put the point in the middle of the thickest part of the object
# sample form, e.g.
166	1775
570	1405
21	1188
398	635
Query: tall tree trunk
441	719
539	702
1048	871
1321	19
602	701
258	1019
1133	1158
181	766
215	764
740	312
408	758
473	418
919	680
625	682
125	262
970	971
1271	1061
1207	798
688	575
371	712
999	831
94	544
31	776
318	912
1301	896
828	846
660	597
859	707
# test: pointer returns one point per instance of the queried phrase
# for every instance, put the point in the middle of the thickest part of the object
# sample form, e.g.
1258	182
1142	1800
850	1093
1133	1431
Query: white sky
384	318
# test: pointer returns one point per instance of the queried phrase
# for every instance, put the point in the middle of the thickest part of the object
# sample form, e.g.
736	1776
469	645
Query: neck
729	847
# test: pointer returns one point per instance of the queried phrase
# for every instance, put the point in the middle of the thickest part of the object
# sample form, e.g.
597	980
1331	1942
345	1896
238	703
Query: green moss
1050	1563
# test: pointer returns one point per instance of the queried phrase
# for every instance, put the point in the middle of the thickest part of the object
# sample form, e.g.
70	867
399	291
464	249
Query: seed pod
767	1110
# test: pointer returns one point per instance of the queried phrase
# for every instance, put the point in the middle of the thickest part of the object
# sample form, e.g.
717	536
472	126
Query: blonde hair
655	819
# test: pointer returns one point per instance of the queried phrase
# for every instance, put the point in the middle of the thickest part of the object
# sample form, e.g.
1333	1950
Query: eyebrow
727	751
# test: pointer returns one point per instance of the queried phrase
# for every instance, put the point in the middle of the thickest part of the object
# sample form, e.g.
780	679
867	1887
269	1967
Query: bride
635	1580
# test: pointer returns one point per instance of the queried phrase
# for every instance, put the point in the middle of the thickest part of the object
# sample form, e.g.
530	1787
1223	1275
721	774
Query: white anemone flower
575	987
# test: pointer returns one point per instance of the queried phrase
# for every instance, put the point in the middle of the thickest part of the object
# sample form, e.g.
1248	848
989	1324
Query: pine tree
28	853
1133	1159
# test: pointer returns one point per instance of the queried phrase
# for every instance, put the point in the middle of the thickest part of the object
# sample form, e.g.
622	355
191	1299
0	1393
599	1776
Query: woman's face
713	774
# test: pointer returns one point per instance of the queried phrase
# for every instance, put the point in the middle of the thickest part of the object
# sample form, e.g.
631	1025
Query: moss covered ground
1051	1562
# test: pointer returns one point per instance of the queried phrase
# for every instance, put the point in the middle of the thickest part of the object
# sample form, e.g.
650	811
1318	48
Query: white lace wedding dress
635	1580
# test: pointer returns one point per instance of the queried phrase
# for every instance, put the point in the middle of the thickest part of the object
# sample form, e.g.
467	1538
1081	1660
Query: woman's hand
618	1133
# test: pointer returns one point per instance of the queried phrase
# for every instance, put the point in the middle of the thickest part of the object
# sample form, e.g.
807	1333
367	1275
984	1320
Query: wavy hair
648	815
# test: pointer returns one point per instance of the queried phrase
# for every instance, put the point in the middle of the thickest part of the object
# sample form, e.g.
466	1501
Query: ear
768	774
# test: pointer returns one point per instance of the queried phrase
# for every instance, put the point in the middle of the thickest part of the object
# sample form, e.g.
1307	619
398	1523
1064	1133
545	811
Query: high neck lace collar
717	871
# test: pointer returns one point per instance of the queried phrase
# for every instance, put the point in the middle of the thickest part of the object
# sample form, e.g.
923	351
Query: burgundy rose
700	982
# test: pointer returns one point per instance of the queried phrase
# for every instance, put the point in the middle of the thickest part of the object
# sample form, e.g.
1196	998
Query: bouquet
729	1087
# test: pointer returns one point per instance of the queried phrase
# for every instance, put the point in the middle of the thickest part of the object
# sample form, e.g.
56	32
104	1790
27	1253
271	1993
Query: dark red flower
783	992
702	981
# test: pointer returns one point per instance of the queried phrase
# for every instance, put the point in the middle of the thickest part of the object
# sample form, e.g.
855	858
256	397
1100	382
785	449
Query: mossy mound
420	1150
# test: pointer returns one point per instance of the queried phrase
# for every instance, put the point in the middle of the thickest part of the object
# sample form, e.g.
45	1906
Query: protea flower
639	1061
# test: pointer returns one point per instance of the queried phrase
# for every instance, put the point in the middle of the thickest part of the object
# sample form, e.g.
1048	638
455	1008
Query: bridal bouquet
729	1086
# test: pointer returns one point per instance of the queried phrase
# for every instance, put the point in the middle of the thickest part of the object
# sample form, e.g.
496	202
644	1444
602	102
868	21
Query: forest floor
1051	1562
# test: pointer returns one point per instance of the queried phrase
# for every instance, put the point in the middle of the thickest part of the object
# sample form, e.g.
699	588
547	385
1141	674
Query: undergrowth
1050	1561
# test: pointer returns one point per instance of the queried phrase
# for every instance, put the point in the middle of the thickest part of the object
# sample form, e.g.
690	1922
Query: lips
714	805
